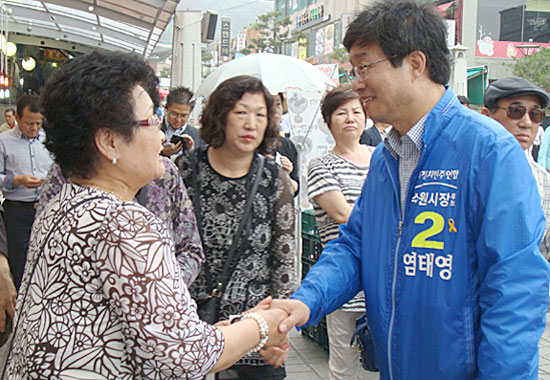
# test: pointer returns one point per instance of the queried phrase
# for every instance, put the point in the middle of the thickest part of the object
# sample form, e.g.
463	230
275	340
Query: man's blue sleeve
513	276
336	277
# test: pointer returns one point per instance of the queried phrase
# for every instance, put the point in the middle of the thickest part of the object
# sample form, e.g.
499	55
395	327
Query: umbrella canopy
277	72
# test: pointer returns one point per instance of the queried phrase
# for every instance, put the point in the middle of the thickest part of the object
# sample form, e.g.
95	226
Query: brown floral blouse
105	298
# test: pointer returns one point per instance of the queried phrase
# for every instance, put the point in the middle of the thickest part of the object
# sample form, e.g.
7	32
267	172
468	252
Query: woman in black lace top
237	125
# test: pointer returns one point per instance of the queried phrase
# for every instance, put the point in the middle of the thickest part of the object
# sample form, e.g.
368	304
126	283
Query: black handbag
363	337
208	309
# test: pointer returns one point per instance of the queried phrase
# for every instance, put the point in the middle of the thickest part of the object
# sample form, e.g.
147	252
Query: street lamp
29	64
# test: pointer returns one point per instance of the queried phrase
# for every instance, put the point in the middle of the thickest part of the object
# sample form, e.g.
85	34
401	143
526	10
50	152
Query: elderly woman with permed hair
103	296
238	126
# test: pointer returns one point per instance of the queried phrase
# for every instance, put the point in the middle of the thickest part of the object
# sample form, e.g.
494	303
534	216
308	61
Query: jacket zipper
399	227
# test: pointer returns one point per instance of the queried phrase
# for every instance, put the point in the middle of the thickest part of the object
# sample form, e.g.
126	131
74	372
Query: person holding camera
180	136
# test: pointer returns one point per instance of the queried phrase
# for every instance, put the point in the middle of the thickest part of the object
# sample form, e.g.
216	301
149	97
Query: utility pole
186	49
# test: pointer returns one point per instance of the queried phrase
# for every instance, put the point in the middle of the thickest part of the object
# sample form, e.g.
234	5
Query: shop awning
477	83
130	25
475	71
442	9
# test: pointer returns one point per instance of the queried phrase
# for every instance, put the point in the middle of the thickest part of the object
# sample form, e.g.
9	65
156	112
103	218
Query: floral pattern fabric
167	198
267	261
105	297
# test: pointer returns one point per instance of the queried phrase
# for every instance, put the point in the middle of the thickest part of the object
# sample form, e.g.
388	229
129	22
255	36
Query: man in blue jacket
445	237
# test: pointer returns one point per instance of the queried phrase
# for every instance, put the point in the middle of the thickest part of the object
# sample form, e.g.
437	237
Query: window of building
512	28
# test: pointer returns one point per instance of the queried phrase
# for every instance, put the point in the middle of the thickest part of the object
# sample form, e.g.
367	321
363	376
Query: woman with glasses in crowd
102	294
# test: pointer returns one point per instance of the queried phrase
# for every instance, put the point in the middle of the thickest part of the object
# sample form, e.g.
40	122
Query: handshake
280	316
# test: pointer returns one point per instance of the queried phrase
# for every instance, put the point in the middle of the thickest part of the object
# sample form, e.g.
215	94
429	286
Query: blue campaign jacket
457	289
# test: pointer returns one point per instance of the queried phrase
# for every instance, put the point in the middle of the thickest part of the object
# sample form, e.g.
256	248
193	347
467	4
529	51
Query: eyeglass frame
177	115
541	110
352	74
153	121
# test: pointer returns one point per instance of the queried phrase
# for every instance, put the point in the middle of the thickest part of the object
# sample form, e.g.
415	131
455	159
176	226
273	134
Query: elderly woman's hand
274	317
275	356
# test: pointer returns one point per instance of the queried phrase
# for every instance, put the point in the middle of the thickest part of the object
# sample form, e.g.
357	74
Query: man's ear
105	143
417	60
485	111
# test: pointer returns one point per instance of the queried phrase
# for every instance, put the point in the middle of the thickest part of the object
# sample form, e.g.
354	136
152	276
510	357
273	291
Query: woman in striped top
334	183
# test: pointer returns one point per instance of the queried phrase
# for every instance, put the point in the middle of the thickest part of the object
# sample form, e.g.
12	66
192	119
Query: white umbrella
277	72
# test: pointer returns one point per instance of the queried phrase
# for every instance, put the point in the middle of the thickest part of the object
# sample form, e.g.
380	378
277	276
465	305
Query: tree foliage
165	72
535	68
275	31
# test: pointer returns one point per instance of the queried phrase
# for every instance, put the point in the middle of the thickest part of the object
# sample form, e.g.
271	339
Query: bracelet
264	330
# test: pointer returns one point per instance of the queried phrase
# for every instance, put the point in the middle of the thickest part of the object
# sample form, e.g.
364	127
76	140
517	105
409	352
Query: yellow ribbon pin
452	227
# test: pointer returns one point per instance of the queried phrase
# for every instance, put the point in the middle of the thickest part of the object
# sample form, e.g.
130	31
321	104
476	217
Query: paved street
307	361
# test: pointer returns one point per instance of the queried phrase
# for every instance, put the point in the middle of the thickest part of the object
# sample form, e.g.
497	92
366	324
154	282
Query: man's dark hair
401	27
463	100
27	100
223	100
9	110
180	95
89	93
335	99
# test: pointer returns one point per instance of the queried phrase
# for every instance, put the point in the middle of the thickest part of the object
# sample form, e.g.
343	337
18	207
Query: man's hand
27	180
189	140
8	294
171	149
298	313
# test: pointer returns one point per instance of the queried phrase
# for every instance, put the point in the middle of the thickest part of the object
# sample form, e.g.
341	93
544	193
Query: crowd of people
138	246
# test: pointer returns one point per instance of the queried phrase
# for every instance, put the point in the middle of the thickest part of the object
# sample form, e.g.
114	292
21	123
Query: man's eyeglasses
153	121
361	71
176	115
516	112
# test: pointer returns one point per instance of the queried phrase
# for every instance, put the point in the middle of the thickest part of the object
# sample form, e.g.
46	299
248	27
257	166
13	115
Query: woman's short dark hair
401	27
89	93
334	99
224	99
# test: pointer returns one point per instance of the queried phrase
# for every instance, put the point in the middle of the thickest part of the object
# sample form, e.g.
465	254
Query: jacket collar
21	136
440	115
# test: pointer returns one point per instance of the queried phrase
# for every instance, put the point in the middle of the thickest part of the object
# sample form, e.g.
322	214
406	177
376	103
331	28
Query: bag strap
218	290
52	229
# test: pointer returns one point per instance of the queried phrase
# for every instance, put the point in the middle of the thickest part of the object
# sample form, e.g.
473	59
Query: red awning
442	9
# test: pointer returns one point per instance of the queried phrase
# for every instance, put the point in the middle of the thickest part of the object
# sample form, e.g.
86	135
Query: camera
177	138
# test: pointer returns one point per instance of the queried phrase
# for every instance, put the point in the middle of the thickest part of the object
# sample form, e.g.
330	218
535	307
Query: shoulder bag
208	309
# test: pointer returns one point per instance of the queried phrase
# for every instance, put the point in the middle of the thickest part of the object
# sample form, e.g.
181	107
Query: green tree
206	57
342	56
535	68
275	31
165	72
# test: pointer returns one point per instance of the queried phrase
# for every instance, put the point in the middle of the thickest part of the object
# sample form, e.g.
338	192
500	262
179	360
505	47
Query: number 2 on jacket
421	239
